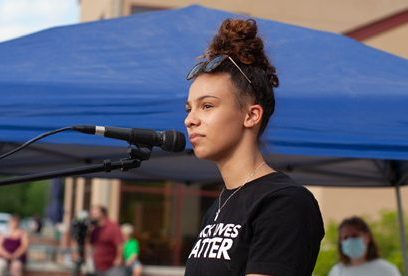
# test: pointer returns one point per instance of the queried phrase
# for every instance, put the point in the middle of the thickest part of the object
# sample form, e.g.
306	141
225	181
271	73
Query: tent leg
402	229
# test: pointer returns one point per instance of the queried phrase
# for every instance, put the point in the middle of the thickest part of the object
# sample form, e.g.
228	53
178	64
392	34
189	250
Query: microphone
169	140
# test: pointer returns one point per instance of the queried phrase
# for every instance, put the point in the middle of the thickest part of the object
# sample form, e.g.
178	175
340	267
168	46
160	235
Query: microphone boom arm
137	155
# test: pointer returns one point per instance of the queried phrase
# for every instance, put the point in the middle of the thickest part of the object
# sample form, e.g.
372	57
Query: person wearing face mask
358	252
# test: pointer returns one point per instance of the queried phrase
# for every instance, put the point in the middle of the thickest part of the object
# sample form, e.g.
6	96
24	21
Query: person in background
13	249
358	252
106	243
131	251
36	225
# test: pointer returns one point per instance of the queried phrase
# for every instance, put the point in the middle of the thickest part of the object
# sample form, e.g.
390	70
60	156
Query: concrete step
53	269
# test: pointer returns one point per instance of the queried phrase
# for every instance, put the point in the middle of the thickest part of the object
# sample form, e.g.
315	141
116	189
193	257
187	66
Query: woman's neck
356	262
243	166
14	231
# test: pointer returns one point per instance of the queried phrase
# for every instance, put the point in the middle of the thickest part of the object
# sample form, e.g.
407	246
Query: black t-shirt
271	226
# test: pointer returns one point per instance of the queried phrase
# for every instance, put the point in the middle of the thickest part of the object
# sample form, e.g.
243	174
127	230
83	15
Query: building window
166	217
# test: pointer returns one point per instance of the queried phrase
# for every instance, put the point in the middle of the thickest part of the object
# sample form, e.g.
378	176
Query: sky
21	17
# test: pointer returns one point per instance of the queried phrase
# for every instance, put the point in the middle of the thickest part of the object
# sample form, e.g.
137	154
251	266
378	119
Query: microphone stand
136	156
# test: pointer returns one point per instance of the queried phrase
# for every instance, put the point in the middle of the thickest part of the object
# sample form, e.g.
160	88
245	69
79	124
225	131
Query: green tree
25	199
385	231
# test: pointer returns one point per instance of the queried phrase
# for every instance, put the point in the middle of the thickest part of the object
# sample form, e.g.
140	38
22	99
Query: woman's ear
253	116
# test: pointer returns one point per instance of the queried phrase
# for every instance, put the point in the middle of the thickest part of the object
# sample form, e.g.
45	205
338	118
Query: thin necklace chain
236	191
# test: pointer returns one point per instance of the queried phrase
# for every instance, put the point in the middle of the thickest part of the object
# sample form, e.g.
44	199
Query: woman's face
126	235
354	243
215	121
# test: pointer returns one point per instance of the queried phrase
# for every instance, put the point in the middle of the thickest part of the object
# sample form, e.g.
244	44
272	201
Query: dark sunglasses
211	65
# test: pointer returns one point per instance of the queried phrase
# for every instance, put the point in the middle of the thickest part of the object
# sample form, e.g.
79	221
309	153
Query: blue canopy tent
341	108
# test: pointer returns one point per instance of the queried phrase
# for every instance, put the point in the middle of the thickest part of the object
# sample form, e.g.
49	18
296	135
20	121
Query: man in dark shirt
107	243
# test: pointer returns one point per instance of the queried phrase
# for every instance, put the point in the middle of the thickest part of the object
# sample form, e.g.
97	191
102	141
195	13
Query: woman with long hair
263	223
359	254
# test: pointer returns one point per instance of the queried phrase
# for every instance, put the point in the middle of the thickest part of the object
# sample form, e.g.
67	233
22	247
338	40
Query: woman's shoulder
279	191
19	234
133	241
277	194
336	269
278	184
385	265
273	181
380	266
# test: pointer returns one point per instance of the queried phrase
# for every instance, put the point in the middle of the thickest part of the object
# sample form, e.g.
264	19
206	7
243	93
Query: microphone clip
140	153
136	156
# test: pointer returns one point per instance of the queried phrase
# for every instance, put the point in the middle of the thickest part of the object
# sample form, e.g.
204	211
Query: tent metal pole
402	228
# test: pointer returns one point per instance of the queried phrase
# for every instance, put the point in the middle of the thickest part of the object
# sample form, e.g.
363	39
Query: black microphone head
173	141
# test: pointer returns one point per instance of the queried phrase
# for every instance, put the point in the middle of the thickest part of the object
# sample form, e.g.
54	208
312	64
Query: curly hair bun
239	39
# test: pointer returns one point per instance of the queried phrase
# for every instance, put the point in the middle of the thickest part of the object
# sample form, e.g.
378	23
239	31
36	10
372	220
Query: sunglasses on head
211	65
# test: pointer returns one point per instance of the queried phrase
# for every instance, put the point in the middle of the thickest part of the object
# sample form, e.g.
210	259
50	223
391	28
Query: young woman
359	252
13	248
262	223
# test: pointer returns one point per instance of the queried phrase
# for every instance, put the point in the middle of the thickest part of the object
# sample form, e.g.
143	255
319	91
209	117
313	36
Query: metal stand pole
107	166
137	155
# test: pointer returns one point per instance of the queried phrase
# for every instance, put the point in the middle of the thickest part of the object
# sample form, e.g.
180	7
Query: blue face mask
354	248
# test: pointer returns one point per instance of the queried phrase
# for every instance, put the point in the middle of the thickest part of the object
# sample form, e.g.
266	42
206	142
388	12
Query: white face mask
354	248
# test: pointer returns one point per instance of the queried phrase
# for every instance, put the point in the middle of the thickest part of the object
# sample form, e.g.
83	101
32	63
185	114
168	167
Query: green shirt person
131	250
